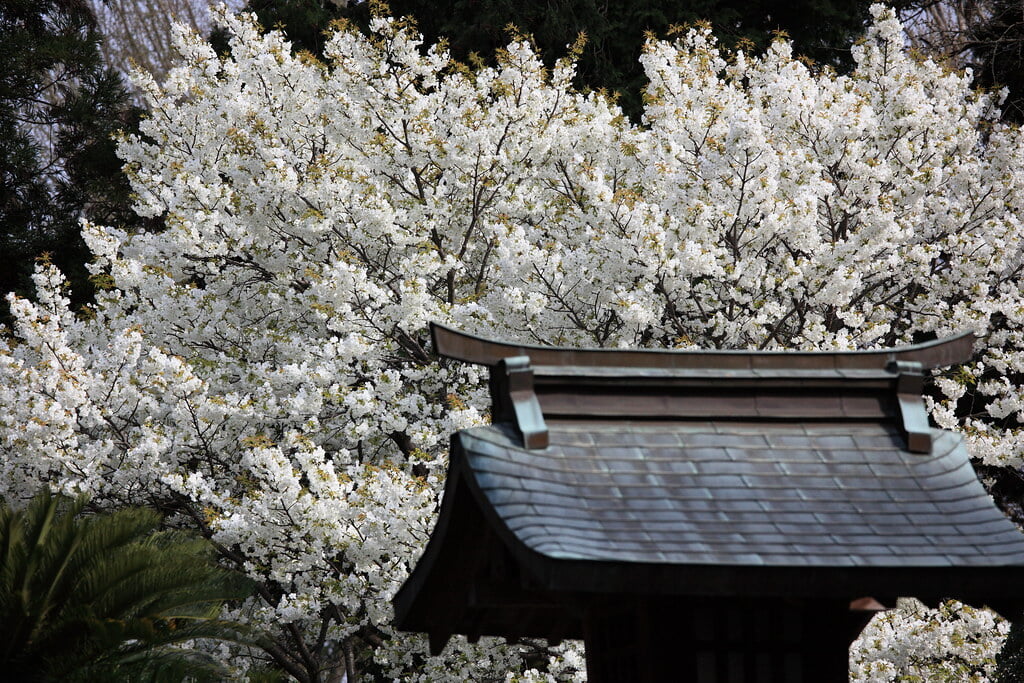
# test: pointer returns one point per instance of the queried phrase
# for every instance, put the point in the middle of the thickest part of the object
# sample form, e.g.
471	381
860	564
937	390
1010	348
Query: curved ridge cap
469	348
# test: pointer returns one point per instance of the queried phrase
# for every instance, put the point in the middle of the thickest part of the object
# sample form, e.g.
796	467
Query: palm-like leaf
87	597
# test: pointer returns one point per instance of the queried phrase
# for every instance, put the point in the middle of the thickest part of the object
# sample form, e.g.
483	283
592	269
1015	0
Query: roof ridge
469	348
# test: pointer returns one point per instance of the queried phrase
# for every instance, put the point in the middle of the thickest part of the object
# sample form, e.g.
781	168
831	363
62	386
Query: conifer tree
59	107
996	42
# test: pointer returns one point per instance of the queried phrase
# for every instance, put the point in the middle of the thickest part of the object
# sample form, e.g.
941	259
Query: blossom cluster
261	369
955	643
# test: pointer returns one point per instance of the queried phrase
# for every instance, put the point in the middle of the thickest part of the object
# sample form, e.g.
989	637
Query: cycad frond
89	597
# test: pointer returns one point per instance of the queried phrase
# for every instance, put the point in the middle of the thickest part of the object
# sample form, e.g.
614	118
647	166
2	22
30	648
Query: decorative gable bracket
914	418
514	400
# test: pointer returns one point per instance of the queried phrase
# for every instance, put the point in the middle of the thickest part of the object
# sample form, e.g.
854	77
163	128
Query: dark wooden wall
720	641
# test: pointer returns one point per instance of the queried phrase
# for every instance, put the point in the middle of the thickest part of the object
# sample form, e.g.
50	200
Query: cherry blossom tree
955	643
260	371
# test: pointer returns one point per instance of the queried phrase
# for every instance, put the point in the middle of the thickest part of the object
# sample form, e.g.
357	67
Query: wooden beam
471	349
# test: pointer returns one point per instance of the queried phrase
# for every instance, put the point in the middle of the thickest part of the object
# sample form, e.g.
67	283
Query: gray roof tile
715	493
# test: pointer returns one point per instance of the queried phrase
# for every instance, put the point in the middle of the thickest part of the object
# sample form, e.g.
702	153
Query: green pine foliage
87	597
996	44
59	107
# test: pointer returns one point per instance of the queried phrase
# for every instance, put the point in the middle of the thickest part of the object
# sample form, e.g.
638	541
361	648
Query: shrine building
705	516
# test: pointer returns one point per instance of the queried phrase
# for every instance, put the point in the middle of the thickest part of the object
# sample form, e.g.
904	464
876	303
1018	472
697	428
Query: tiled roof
720	493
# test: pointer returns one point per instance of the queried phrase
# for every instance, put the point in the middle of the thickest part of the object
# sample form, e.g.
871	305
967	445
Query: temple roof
720	493
732	474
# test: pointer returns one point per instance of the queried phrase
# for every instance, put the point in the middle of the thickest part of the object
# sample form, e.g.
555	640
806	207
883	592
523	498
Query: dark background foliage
59	107
822	30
